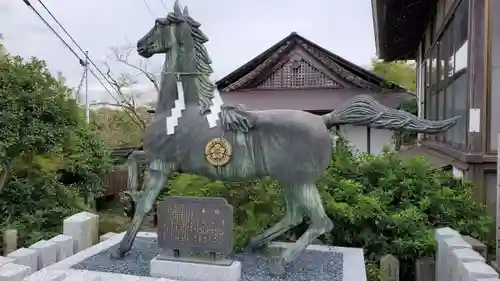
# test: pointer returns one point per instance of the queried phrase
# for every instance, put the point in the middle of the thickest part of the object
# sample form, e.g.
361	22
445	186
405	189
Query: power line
71	38
80	60
149	9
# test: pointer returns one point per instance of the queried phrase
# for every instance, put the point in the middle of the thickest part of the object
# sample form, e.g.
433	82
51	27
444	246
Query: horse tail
364	110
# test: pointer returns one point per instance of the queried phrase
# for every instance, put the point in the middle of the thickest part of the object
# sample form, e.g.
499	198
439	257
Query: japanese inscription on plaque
195	224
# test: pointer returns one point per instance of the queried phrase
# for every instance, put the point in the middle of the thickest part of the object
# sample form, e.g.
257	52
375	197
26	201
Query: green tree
403	74
116	127
49	157
124	121
398	72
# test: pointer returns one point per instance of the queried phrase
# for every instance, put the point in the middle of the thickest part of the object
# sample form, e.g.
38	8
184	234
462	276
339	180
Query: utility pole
90	198
87	104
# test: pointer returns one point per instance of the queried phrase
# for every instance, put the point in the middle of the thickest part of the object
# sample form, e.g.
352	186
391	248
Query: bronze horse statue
291	146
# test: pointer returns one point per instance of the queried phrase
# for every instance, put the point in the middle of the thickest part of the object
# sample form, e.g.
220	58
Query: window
427	88
458	82
447	80
495	76
450	62
433	85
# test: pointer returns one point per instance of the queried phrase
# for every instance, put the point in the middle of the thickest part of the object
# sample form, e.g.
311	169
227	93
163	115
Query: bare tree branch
127	102
122	55
115	125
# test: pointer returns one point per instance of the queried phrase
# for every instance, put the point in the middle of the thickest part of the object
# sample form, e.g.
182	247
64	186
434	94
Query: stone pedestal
14	272
84	228
47	276
25	256
65	246
47	253
9	241
472	271
194	271
459	257
442	234
4	260
106	236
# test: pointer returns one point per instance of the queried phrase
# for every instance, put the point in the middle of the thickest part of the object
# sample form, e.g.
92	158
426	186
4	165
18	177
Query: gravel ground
311	265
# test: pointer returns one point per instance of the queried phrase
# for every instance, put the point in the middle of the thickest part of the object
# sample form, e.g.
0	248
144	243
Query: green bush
381	203
389	205
49	157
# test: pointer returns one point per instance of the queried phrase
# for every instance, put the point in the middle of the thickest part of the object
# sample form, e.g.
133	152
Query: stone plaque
424	269
389	264
195	224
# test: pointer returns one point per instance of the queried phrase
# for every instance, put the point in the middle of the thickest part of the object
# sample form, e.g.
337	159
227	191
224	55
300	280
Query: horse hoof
277	270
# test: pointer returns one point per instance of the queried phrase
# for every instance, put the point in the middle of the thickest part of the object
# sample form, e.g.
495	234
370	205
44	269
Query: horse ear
177	8
185	12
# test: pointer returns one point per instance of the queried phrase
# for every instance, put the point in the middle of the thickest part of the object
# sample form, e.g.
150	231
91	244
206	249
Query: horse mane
233	117
205	87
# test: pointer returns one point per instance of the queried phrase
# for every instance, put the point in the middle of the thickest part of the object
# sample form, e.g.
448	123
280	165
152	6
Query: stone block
47	275
389	264
178	270
106	236
88	277
441	234
65	246
4	260
477	245
448	265
471	271
458	258
47	253
26	257
424	269
14	272
9	241
495	265
84	228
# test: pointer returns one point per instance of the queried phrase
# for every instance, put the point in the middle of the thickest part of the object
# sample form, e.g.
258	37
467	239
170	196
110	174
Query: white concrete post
441	235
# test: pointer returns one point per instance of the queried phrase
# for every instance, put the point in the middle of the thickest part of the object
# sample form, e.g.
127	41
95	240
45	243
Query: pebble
310	265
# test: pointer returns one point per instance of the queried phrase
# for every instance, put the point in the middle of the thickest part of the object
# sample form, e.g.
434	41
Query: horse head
168	34
179	37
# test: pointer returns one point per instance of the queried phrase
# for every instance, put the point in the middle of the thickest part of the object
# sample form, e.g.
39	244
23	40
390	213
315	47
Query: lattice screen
298	74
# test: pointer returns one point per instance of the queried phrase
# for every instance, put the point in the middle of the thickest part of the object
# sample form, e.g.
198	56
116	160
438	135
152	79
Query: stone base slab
186	271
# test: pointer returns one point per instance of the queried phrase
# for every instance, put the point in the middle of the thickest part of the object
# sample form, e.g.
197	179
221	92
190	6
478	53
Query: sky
238	30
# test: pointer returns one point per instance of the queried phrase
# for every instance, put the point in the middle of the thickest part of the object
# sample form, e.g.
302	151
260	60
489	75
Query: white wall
357	136
379	139
457	173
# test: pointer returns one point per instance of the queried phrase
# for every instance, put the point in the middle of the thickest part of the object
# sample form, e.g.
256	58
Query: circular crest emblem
218	152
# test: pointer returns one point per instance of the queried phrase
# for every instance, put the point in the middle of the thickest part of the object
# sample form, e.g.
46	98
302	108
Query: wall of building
358	137
494	65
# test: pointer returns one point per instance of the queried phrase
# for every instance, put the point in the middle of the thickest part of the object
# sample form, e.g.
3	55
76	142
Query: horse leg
293	217
308	197
157	175
133	173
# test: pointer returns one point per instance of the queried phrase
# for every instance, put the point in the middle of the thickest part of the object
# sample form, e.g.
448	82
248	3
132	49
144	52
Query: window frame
436	94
